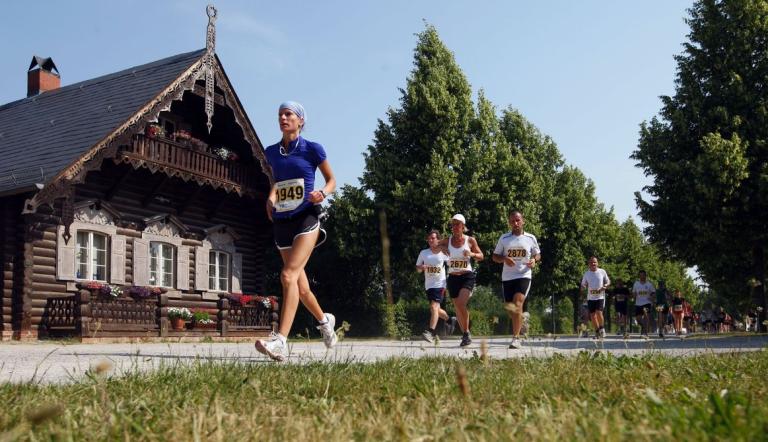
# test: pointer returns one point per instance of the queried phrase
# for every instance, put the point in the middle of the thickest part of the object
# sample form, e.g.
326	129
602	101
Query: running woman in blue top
293	206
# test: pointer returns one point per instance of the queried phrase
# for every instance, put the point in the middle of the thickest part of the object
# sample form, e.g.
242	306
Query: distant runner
431	262
678	311
595	281
621	300
662	307
641	291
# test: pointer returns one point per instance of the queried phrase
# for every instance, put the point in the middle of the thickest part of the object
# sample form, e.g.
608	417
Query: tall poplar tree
412	168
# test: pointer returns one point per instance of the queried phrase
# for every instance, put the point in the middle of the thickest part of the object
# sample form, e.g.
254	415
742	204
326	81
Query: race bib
290	194
678	308
595	291
620	298
433	270
518	255
458	265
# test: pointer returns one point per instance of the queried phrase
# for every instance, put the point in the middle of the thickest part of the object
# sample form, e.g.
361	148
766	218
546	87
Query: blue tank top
293	170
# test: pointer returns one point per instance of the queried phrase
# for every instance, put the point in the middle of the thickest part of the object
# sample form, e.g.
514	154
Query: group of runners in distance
293	206
596	283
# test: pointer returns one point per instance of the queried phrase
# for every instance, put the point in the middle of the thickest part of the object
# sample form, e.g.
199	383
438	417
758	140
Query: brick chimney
42	76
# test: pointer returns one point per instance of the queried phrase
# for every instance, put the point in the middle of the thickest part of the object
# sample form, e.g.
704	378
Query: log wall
11	232
197	209
29	241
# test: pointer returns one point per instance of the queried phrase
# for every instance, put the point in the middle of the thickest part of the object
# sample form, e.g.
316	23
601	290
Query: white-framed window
218	271
91	256
161	264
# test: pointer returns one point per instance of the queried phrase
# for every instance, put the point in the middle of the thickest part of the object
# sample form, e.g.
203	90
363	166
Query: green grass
588	397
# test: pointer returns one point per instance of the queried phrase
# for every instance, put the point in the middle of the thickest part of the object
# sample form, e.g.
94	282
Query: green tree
412	167
345	272
707	151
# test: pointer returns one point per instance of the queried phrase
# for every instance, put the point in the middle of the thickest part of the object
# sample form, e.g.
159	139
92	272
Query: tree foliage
706	151
440	153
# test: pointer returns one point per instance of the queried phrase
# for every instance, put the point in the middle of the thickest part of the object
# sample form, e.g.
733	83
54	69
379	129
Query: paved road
57	363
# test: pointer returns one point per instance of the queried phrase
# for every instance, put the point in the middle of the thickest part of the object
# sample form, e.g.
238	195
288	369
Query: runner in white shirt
461	249
595	281
519	252
432	261
642	291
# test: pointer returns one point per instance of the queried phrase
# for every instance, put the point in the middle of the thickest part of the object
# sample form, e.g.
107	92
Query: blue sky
586	73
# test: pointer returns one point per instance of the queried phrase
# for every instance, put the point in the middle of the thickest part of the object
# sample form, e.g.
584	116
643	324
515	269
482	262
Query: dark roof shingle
43	134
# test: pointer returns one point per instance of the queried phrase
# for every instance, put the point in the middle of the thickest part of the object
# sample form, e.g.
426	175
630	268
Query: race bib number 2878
290	194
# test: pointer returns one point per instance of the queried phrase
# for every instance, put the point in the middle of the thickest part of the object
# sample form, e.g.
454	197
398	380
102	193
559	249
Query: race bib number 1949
290	194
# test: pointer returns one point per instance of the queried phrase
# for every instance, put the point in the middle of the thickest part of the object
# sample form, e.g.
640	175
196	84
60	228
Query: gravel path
46	362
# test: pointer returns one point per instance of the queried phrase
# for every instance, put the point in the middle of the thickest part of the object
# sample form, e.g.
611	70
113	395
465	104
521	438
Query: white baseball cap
459	217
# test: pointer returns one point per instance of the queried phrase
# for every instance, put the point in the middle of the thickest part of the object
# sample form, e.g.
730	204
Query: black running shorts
639	309
436	294
594	305
302	223
519	285
461	281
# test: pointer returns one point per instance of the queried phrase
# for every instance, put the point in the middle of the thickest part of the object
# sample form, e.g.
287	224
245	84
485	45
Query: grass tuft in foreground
588	397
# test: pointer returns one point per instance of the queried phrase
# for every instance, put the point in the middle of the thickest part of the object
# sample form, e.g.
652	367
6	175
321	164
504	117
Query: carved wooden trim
61	185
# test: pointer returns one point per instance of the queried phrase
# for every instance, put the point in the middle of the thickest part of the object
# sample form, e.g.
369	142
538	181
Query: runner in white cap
462	249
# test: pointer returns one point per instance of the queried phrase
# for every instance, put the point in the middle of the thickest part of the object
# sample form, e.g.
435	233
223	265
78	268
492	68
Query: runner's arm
477	254
270	203
318	196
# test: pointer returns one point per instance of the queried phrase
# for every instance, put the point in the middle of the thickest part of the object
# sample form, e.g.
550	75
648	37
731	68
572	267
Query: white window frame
161	263
214	269
91	251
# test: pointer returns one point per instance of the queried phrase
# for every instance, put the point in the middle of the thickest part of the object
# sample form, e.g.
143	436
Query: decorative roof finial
210	48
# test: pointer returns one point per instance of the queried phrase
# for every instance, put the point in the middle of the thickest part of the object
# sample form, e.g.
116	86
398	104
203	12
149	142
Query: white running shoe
515	344
328	331
427	336
274	347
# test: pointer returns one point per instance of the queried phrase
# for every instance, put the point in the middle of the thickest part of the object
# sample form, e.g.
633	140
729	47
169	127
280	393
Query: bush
396	322
479	323
199	316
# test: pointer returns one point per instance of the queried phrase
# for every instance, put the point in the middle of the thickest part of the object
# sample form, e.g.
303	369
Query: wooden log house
153	178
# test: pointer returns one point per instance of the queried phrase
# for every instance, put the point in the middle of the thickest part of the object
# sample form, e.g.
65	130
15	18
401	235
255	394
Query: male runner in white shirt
595	281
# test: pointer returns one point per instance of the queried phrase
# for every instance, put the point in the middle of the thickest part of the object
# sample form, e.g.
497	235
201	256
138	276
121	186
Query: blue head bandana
295	107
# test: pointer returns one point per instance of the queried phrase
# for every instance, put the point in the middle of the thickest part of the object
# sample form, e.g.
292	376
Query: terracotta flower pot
178	323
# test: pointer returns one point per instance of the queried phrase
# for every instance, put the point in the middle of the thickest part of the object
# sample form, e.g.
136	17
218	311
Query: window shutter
65	255
140	261
201	267
182	269
117	259
237	272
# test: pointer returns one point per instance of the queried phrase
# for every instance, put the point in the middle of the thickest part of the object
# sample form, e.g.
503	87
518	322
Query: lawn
588	397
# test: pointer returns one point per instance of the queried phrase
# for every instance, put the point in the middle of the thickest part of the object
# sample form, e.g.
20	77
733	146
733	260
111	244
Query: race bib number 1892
290	194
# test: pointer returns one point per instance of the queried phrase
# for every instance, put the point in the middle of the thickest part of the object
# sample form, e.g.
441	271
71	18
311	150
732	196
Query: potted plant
202	320
140	293
101	290
178	317
154	131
